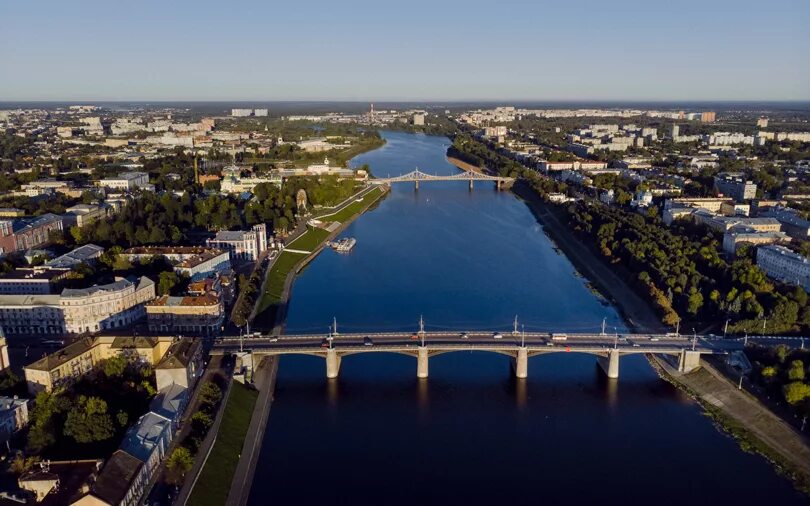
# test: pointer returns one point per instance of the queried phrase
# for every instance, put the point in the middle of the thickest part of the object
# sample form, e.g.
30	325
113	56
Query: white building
31	314
127	181
784	265
102	307
241	113
241	244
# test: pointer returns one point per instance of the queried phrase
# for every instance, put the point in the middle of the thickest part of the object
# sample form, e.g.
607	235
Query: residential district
131	238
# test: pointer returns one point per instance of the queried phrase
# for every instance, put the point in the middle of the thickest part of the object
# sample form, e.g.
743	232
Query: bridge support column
422	362
522	363
471	184
610	364
416	185
332	363
688	361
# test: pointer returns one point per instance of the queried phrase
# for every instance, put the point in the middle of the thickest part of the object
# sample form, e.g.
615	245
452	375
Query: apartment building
784	265
31	315
199	315
100	307
735	186
30	281
80	357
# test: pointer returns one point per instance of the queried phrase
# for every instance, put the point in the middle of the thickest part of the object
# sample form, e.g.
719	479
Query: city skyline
624	51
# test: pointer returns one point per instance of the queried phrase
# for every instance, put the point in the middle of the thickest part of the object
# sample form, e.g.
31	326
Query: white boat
344	245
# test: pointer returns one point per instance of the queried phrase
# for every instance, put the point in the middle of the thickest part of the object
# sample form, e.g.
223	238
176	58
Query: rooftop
73	258
66	354
179	354
116	476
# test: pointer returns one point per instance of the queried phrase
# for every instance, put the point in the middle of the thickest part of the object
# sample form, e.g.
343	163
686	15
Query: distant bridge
418	176
423	345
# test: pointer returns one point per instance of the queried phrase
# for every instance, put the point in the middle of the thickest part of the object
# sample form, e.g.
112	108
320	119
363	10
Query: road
591	343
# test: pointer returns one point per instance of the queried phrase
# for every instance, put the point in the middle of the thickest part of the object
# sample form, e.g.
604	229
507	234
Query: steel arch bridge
418	176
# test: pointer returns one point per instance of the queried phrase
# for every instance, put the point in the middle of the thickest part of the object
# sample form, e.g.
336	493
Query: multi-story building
241	113
740	234
11	212
201	315
80	357
82	215
13	416
101	307
181	365
122	482
31	315
127	181
794	225
784	265
30	281
735	186
26	233
708	116
241	244
419	119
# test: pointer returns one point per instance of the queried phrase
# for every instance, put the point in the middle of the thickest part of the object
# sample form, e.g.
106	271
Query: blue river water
471	434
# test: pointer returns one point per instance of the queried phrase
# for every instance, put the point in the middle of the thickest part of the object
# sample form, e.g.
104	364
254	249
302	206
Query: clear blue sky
405	50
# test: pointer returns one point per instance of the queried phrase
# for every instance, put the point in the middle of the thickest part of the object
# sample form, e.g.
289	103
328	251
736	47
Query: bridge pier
471	184
521	363
610	364
416	185
422	362
688	361
499	184
332	363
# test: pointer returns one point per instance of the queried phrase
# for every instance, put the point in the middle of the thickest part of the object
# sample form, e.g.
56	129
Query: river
471	433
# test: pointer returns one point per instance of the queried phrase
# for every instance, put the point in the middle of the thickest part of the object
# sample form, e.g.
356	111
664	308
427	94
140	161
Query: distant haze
414	50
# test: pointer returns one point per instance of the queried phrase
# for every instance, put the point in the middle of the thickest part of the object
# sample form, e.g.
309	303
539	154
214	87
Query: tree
48	406
114	367
89	421
796	392
770	372
123	418
178	464
781	353
796	371
167	281
210	394
201	422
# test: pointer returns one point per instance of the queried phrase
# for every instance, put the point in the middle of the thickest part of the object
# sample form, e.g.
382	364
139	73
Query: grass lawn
215	479
308	241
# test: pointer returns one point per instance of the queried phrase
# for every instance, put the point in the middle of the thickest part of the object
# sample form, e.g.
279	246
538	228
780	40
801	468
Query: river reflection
471	433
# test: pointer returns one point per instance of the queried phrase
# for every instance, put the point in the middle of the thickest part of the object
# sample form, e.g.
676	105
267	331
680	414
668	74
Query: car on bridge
465	335
325	343
367	341
497	335
414	336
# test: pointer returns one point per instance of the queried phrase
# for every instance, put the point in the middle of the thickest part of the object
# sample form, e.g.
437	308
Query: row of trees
181	459
682	270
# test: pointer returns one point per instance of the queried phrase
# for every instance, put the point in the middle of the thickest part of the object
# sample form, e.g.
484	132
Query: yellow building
81	357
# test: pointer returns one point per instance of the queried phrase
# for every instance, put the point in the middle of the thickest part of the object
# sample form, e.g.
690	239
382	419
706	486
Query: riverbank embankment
464	165
743	417
272	306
